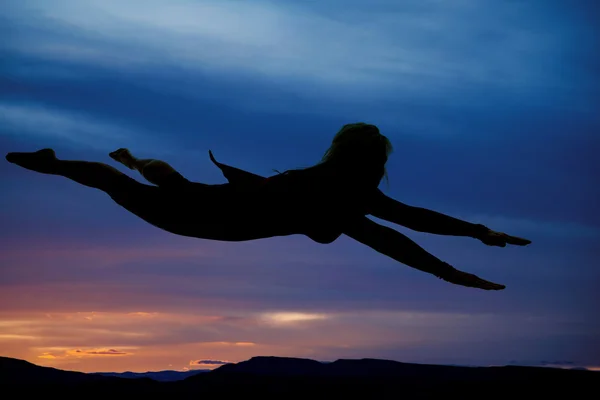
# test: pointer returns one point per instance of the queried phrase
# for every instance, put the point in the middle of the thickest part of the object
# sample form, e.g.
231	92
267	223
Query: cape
237	176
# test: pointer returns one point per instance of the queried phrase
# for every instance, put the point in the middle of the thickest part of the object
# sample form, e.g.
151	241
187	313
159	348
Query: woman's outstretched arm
421	219
399	247
424	220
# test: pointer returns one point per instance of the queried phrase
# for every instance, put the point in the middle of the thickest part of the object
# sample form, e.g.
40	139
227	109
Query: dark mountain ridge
366	367
264	376
161	376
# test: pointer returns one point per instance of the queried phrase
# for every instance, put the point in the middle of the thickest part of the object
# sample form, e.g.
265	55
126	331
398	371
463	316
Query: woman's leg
155	171
92	174
159	208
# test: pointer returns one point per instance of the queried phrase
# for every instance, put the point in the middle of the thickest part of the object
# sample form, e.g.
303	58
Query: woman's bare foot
124	157
39	161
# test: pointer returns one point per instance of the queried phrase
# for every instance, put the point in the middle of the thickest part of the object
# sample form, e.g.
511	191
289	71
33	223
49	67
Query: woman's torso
318	203
313	202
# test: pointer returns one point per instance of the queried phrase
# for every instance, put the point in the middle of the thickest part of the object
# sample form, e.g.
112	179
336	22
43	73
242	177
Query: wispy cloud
79	353
385	46
104	255
291	318
539	228
211	363
50	125
142	340
563	229
556	364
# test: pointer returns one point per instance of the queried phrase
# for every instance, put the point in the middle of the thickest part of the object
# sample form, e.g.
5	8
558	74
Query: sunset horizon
491	108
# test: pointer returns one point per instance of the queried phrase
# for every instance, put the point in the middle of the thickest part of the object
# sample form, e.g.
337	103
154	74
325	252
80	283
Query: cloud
208	362
556	364
246	344
291	318
540	228
9	336
47	122
383	47
103	255
143	314
52	125
79	353
101	352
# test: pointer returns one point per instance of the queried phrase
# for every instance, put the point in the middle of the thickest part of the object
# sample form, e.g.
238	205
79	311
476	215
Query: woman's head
361	145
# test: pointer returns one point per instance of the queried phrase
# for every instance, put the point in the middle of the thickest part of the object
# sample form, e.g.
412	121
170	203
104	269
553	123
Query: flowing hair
354	144
359	138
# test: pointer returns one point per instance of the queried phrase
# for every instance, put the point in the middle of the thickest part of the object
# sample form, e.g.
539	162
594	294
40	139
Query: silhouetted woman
322	202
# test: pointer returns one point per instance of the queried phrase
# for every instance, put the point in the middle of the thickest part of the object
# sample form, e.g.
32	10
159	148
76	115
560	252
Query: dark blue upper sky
492	108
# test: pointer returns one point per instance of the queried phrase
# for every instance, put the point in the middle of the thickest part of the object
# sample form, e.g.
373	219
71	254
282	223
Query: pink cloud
79	353
103	352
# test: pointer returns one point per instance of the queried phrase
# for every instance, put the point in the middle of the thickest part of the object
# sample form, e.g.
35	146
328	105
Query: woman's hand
493	238
469	280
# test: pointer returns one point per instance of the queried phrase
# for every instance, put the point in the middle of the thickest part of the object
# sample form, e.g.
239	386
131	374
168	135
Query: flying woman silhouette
322	202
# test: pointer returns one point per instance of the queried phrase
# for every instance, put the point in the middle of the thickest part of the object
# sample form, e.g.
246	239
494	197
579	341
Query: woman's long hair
360	144
356	148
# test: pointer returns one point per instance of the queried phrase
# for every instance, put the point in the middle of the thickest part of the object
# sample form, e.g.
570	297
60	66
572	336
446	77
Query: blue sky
492	111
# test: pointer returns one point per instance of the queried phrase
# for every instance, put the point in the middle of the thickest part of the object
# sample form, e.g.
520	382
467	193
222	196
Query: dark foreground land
277	376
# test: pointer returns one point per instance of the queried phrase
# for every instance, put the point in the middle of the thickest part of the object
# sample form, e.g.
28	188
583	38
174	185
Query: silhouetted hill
14	372
276	366
277	376
28	377
383	377
161	376
281	366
